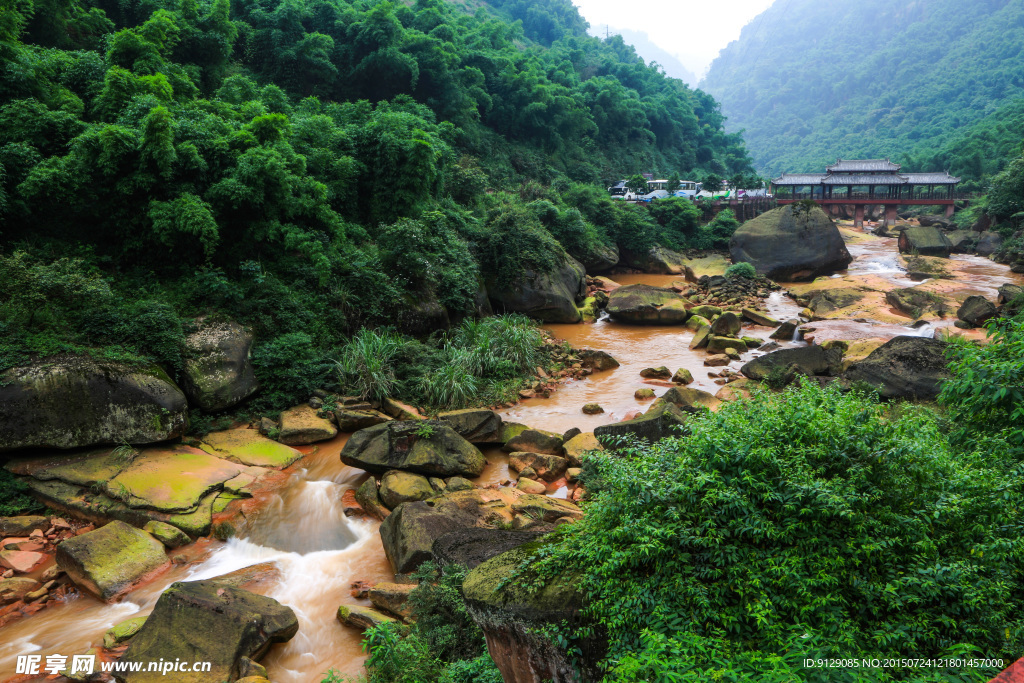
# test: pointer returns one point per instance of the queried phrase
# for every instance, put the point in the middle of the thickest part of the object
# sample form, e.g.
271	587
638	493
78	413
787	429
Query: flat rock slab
249	447
392	598
111	560
22	561
173	479
301	426
23	525
363	618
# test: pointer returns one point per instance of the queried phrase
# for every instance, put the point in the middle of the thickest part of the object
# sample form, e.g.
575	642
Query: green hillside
810	81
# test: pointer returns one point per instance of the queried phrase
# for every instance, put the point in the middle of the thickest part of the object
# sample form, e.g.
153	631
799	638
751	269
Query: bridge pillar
890	215
858	216
949	210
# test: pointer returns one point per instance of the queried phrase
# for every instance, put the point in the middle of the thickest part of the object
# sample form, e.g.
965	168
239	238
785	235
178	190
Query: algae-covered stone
926	241
580	444
528	485
794	242
207	621
397	487
718	344
547	467
22	525
392	598
76	401
363	618
475	425
431	448
352	420
700	337
122	631
170	536
458	484
657	423
759	318
535	441
544	508
645	394
301	425
975	310
706	311
682	376
249	447
470	547
16	588
695	322
597	360
726	325
110	560
786	330
549	295
690	400
368	497
644	304
660	372
592	409
171	479
218	373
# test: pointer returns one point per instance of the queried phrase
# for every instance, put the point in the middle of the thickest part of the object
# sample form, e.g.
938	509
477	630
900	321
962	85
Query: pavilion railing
917	196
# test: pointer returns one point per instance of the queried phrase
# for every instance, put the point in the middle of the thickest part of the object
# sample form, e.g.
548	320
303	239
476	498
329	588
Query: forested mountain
310	167
811	81
644	47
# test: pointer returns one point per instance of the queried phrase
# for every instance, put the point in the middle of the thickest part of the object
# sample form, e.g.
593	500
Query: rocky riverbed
322	514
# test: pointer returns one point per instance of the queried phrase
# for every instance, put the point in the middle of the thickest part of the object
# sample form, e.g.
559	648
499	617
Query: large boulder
925	241
111	560
471	547
656	424
962	241
903	367
647	305
916	302
809	360
975	310
535	441
409	532
549	296
303	425
936	221
599	258
657	259
75	401
475	425
397	487
218	373
597	360
690	400
432	448
791	243
989	243
514	616
207	621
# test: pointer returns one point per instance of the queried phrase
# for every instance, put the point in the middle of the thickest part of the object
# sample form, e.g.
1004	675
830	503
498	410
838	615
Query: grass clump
742	269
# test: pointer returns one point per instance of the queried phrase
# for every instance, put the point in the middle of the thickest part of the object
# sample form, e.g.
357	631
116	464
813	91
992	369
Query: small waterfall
922	328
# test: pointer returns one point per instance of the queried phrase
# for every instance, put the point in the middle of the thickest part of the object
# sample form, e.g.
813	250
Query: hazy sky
693	30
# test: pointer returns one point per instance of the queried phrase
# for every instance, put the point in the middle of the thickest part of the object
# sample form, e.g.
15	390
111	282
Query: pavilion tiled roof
799	179
932	178
864	179
863	166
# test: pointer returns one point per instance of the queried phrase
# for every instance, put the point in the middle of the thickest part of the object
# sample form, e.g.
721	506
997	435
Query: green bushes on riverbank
811	523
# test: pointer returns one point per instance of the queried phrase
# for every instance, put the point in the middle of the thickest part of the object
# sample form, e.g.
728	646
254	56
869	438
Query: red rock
360	589
349	505
59	523
630	415
85	529
22	561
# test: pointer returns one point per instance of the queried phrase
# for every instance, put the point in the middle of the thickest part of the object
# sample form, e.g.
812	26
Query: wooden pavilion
865	182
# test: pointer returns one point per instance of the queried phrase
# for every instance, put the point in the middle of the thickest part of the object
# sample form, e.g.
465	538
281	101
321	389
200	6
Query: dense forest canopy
313	166
810	81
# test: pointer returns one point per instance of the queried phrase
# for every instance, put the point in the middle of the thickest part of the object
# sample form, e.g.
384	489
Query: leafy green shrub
289	368
367	363
806	513
742	269
14	496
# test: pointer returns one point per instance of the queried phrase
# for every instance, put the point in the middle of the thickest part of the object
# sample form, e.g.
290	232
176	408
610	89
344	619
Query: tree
712	183
637	184
673	182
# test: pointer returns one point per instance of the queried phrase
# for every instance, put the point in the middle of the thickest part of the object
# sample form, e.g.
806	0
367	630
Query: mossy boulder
690	400
22	525
475	425
925	240
797	242
759	318
962	241
392	598
208	621
825	301
647	305
695	322
470	547
597	360
809	360
249	447
682	376
916	302
218	373
718	344
76	401
700	337
660	372
397	487
904	367
409	532
786	330
548	295
580	444
989	243
302	425
657	423
368	497
726	325
535	441
351	420
706	311
513	619
975	310
431	448
111	560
